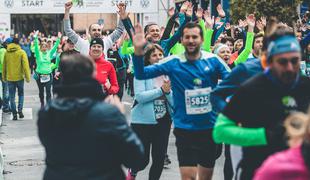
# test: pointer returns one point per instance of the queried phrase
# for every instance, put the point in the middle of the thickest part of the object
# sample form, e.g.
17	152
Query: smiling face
153	33
192	40
95	31
44	47
96	51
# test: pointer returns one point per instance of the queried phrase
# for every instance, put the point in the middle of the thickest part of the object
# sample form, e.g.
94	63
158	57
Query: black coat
86	139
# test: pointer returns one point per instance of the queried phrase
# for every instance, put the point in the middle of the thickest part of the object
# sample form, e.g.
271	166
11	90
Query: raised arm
37	47
149	72
67	25
249	41
54	49
207	28
170	24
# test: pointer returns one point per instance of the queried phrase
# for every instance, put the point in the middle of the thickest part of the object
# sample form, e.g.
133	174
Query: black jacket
85	138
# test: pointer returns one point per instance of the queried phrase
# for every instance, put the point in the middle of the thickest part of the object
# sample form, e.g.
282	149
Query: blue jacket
185	76
231	84
145	94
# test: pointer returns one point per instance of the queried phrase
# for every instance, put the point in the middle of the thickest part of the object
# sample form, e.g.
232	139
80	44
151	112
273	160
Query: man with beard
254	116
95	31
193	75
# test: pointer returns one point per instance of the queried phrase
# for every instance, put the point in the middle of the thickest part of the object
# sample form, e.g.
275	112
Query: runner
106	74
43	73
276	93
95	31
151	116
193	75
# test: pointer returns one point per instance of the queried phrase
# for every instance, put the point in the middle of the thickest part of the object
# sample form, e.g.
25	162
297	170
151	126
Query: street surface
24	155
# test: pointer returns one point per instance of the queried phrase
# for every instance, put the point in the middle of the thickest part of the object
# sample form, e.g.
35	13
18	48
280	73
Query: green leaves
284	10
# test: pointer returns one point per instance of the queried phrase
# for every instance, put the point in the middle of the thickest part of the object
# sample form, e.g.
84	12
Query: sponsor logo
145	3
9	3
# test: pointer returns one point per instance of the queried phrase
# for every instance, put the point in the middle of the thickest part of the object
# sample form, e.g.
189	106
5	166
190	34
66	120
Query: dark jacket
85	138
233	81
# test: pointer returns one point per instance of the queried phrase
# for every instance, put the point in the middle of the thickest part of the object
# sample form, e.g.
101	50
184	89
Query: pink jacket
285	165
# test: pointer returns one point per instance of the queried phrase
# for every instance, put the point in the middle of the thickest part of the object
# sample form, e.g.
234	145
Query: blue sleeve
220	30
305	41
148	72
169	43
142	95
228	87
128	26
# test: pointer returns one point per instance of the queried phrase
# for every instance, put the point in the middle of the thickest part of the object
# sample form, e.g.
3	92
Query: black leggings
157	136
48	88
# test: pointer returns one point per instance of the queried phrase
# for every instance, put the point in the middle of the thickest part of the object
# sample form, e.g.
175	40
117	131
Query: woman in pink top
294	163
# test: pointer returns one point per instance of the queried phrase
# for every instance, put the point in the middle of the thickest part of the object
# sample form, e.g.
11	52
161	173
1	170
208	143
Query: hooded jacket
84	137
15	64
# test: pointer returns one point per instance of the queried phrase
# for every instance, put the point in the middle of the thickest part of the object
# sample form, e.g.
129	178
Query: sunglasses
285	61
96	29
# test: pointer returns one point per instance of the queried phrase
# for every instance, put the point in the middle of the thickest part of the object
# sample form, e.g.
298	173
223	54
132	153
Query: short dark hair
226	39
75	68
191	25
15	41
146	28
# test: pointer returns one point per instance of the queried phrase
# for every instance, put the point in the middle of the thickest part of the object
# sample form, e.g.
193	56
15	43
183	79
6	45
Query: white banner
5	25
80	6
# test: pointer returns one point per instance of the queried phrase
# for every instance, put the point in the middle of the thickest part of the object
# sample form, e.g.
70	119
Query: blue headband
284	44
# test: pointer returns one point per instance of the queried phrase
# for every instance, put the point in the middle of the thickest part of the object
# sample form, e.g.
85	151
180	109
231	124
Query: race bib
197	101
45	78
160	108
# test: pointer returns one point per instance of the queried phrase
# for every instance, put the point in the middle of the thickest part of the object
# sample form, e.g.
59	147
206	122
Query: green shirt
43	59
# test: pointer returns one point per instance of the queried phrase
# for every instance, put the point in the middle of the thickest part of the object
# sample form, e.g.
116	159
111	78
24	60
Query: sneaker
167	161
21	115
130	175
14	117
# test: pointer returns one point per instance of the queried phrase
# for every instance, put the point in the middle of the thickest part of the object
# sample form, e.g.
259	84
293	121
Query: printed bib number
160	108
45	78
197	101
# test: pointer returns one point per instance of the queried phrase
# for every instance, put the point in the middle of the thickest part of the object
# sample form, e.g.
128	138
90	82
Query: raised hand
242	24
184	7
208	19
220	11
259	25
264	21
189	11
138	40
250	20
59	34
171	12
122	10
199	13
68	6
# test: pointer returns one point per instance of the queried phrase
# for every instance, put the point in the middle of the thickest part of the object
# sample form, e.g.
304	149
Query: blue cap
282	45
8	40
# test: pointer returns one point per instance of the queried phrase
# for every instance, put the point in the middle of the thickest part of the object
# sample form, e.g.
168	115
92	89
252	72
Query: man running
193	75
253	118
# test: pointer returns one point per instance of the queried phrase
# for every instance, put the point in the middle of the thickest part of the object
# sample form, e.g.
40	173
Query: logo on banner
9	3
145	3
